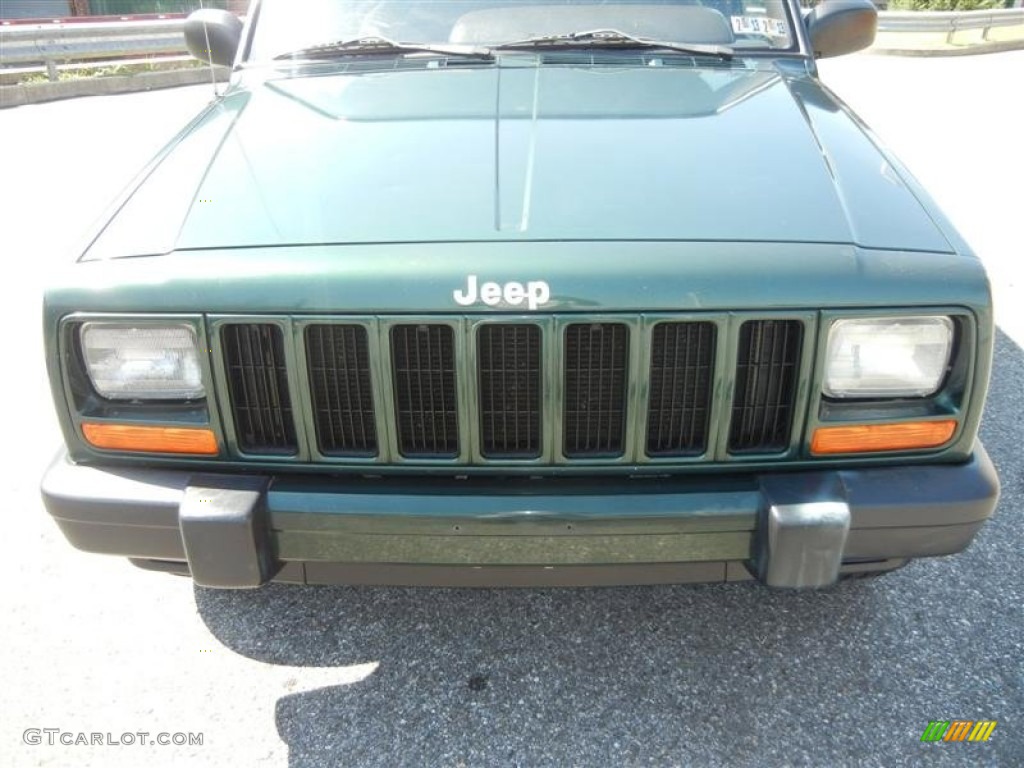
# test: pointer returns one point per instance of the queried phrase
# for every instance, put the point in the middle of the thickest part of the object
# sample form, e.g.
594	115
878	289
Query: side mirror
838	27
213	36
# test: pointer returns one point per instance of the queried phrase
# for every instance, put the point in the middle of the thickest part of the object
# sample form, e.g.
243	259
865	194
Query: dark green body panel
508	152
583	276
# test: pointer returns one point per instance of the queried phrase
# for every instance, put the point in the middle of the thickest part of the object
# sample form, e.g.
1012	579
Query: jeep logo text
535	294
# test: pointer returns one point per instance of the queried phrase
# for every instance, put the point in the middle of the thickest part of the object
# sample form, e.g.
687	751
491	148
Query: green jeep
523	292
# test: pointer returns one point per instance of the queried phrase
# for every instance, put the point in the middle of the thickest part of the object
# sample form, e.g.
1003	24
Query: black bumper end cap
226	532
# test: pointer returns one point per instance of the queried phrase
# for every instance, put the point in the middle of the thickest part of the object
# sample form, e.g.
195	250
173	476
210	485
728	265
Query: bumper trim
259	524
226	535
801	545
392	575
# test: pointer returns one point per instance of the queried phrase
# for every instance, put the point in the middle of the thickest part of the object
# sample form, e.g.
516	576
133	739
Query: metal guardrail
949	22
47	44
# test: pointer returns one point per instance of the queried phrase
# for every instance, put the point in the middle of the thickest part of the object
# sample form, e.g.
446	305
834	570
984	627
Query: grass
111	70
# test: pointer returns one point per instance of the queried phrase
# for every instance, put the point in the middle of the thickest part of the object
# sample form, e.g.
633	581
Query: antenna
213	72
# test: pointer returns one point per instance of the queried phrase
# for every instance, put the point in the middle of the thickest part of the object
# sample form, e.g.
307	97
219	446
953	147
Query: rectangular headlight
887	356
142	362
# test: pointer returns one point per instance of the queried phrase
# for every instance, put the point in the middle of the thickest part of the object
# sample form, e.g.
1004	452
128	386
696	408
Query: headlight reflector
143	362
887	356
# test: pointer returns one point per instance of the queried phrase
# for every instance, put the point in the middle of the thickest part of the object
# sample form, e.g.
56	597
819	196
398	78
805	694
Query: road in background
707	675
956	122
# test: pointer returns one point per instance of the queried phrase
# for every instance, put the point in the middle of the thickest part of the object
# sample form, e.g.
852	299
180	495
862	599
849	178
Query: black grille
766	382
423	366
682	363
258	386
339	382
594	420
509	367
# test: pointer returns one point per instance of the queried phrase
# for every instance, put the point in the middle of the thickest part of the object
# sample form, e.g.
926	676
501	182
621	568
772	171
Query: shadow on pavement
661	675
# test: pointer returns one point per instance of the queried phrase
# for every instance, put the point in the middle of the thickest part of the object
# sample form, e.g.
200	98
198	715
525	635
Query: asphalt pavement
735	675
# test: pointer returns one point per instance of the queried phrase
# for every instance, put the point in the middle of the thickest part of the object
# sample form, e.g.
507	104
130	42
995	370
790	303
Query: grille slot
509	377
766	382
682	365
596	378
258	386
594	416
426	407
338	357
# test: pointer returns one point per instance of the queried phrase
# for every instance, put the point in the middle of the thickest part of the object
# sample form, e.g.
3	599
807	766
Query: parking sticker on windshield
758	25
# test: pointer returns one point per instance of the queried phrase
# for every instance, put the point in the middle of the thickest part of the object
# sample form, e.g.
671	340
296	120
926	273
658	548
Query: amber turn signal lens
123	437
871	438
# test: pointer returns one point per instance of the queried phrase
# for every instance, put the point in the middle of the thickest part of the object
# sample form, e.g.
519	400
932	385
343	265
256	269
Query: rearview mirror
213	35
838	27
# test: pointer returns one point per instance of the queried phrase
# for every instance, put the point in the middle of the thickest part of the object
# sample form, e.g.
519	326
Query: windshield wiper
381	45
613	38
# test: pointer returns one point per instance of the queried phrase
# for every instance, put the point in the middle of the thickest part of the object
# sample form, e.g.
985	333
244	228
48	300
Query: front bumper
791	529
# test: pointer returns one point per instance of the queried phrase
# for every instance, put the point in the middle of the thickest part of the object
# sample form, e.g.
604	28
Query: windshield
286	26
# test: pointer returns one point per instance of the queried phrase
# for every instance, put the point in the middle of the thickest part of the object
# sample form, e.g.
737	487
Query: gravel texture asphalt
735	675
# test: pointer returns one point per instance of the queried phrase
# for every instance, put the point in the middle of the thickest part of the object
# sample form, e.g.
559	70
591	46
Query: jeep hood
515	152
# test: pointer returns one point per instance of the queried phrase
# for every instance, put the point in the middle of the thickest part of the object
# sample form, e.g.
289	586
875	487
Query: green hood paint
583	277
751	152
